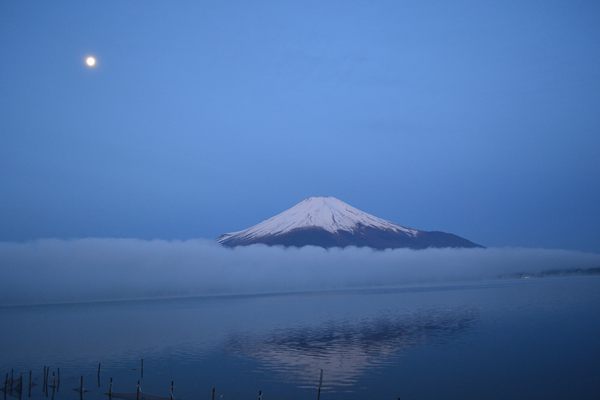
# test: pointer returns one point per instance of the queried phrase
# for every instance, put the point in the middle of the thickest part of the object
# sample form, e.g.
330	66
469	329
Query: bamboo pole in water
110	384
98	374
53	385
212	395
320	384
21	386
81	387
137	391
30	384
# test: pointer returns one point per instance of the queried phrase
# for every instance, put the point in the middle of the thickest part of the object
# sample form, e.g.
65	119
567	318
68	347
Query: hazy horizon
49	271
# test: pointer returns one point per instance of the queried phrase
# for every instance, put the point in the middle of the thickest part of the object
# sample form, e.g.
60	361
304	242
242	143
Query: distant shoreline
553	272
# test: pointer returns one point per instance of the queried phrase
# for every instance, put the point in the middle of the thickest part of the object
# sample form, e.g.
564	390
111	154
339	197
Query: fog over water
56	270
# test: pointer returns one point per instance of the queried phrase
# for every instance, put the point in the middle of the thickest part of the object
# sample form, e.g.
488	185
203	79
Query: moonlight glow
90	61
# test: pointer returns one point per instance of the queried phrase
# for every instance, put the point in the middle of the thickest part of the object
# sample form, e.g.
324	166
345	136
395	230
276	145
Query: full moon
90	61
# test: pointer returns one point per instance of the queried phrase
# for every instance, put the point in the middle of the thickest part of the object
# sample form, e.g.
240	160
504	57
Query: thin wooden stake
212	396
320	384
142	369
99	364
110	388
21	386
57	379
81	387
137	391
30	384
53	385
171	391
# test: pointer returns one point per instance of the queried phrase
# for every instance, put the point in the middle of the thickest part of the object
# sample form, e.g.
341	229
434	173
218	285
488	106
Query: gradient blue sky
480	118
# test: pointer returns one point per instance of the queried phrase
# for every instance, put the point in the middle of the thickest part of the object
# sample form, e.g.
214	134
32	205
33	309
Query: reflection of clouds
345	349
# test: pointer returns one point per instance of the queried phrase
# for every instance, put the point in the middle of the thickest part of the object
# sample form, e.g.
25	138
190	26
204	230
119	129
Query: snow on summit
328	213
329	222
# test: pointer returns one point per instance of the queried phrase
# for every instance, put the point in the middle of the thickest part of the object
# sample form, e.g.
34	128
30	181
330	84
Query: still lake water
504	339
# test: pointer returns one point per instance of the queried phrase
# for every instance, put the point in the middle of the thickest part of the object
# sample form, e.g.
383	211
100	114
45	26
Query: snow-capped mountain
329	222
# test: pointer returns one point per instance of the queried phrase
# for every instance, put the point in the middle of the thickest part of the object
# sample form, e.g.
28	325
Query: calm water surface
521	339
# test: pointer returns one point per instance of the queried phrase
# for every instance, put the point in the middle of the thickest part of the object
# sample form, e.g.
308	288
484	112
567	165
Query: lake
501	339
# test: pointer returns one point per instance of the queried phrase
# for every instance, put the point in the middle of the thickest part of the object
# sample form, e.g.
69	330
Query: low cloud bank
105	269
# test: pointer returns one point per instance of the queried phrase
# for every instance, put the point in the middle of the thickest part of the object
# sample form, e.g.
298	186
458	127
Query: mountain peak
319	212
330	222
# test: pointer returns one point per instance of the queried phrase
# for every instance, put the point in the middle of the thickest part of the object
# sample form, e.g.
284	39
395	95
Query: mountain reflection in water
345	349
426	342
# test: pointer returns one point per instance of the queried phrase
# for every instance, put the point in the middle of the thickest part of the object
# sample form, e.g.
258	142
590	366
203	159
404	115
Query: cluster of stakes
17	387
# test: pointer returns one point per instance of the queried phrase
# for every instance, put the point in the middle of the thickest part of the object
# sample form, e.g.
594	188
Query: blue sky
474	117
